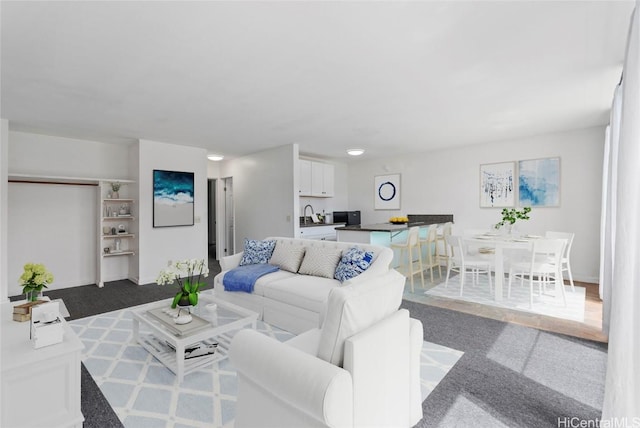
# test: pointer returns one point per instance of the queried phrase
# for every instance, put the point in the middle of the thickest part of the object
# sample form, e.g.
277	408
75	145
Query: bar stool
444	254
408	247
430	244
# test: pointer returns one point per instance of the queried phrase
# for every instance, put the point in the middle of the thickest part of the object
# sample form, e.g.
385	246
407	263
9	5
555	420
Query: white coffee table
219	327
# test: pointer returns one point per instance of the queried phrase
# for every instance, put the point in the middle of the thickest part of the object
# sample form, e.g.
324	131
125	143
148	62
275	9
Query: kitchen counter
381	227
321	224
414	220
385	233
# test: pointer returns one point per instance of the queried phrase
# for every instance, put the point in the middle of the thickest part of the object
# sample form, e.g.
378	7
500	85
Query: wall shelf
118	253
56	179
119	235
118	200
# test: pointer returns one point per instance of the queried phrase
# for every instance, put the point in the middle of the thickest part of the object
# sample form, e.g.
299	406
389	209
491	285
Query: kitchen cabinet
324	233
305	177
321	180
316	179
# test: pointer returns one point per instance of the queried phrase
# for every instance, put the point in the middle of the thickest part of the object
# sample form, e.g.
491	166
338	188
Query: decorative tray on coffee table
197	323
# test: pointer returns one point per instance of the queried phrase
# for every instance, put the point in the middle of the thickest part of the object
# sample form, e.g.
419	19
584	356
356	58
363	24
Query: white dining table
499	243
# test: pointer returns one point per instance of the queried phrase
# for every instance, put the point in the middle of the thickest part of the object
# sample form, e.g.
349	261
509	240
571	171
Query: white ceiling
237	77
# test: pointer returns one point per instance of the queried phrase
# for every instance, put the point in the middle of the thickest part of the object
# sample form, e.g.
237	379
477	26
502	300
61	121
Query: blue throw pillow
353	263
257	252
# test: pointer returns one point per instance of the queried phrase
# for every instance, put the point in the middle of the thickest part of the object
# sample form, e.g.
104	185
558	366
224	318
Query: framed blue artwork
539	182
172	198
386	190
497	185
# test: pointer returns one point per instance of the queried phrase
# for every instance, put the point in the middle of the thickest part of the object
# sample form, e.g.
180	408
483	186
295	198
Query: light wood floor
590	329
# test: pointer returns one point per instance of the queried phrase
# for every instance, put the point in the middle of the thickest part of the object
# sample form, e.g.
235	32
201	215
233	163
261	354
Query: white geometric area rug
144	393
545	304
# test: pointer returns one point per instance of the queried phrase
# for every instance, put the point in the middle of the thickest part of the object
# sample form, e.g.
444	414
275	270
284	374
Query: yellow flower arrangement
34	278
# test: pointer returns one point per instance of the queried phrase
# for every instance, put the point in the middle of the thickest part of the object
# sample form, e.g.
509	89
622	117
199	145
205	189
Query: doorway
211	220
224	221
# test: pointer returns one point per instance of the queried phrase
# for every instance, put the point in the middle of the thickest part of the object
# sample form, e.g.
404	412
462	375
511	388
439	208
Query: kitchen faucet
304	214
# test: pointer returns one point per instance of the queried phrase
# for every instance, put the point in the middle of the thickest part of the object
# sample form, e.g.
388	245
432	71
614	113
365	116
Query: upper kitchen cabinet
322	179
305	177
316	179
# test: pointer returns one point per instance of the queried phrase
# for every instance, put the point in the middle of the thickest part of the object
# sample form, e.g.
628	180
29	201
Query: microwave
348	217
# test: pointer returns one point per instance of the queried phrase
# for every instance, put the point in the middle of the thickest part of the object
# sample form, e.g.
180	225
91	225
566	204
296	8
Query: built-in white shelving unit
115	229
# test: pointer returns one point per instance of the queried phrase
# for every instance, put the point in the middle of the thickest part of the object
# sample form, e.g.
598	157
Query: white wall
159	245
266	203
134	193
447	182
66	157
213	169
4	204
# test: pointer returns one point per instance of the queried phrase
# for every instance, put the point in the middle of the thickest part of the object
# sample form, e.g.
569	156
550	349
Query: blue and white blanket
243	278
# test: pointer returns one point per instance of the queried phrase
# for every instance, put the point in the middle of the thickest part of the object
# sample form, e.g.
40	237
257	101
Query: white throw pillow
287	256
320	261
355	307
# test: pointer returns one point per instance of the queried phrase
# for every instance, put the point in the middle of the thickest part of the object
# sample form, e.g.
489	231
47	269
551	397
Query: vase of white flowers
189	275
34	278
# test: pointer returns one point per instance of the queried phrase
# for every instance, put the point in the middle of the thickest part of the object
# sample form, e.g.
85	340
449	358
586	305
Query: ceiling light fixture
355	152
215	157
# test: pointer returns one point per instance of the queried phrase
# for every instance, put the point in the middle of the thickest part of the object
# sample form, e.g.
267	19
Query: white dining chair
463	262
566	264
545	265
408	248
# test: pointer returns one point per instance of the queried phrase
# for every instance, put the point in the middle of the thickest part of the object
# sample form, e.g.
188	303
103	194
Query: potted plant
115	188
510	216
34	278
188	274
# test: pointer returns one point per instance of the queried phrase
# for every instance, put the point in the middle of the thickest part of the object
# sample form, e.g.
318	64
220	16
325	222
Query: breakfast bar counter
377	234
385	233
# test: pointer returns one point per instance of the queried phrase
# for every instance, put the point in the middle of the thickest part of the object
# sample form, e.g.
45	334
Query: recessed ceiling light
215	157
355	152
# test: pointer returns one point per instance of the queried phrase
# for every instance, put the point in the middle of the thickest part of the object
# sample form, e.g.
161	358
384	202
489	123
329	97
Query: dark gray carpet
510	375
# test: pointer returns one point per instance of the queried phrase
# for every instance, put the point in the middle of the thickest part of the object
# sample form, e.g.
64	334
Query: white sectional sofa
293	301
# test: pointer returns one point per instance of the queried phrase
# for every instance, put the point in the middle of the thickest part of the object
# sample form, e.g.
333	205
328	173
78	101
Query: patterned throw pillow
319	261
257	252
353	263
287	256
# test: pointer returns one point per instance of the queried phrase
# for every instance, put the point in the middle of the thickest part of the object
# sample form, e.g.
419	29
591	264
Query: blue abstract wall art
172	198
539	182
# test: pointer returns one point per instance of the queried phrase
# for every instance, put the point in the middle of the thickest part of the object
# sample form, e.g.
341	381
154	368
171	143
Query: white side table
40	387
